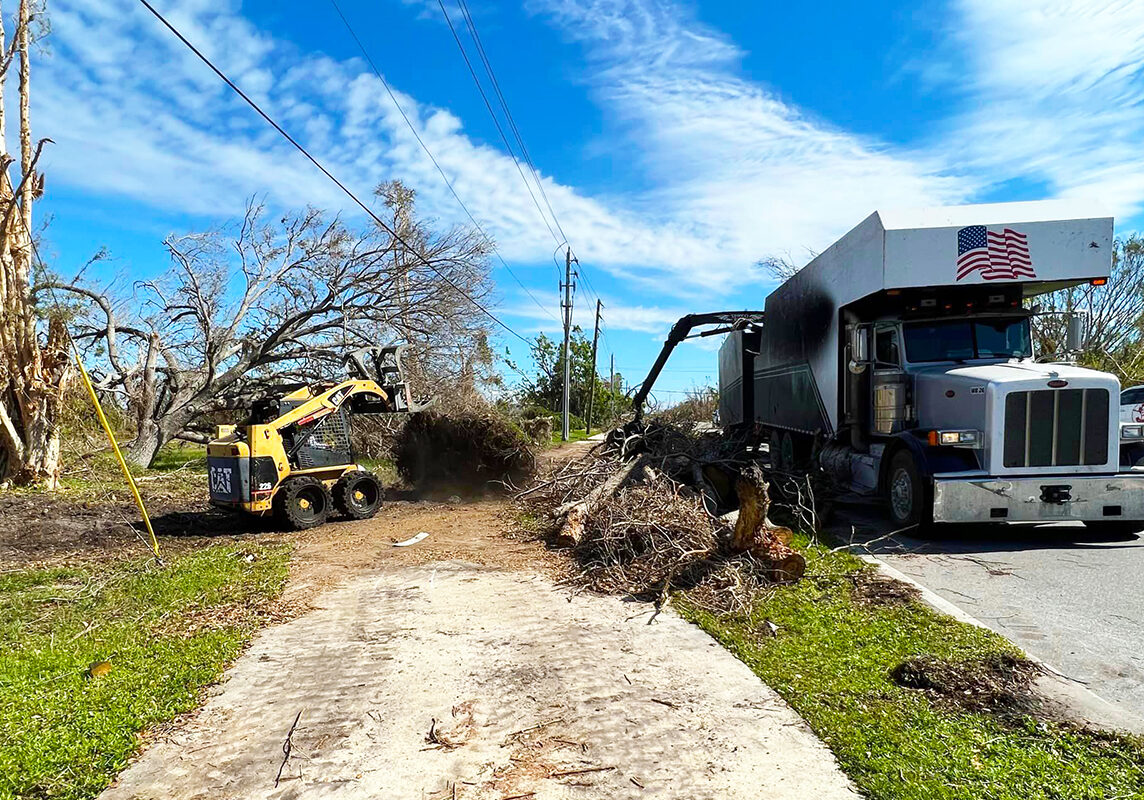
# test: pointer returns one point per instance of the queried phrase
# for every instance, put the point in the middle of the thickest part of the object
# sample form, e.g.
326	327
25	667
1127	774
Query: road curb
1080	703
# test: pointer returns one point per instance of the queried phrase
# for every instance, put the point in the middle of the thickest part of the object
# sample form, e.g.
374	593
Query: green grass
167	632
574	435
831	661
180	455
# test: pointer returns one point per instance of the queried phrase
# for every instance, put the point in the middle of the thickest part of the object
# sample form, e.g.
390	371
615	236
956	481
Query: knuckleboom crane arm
681	330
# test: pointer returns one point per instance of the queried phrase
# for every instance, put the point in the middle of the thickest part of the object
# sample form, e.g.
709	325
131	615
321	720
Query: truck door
889	383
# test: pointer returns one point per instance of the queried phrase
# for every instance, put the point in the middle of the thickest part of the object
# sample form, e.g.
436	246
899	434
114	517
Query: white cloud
735	167
737	172
617	316
1056	94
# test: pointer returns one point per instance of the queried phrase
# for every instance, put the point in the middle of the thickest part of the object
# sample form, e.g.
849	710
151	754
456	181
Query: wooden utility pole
611	387
567	306
592	376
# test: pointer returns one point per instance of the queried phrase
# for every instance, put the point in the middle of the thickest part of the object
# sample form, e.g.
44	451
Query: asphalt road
1068	597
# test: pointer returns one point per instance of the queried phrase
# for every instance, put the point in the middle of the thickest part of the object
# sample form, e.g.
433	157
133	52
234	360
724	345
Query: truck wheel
302	503
786	457
357	494
907	495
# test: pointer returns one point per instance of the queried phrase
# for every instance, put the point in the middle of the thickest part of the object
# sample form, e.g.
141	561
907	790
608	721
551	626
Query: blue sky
678	142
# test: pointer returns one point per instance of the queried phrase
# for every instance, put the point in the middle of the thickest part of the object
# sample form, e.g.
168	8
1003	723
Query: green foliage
831	660
65	733
544	389
1115	313
574	435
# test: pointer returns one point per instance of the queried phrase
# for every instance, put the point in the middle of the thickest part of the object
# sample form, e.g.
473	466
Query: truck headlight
958	438
1131	432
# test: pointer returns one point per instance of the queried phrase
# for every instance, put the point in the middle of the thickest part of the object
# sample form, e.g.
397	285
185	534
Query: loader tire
302	503
357	494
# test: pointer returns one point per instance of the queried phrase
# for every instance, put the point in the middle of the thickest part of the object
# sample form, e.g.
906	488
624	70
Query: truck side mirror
859	348
1076	337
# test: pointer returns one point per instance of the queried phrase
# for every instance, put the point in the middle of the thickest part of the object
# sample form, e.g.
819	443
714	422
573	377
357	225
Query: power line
325	171
428	152
496	121
562	239
472	25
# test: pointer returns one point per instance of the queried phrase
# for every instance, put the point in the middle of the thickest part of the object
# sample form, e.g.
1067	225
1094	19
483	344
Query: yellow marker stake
115	447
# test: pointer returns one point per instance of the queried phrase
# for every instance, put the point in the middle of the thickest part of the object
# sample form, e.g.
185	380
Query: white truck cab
900	363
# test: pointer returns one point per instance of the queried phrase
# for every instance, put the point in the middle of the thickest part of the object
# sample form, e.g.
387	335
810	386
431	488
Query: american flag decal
998	255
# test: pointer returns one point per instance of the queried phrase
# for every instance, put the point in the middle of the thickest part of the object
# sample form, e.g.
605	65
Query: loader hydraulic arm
681	330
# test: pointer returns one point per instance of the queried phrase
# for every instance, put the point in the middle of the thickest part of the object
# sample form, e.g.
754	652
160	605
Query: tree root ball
472	449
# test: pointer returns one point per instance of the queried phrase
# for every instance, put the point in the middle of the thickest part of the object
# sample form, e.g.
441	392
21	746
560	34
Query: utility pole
567	306
592	378
611	387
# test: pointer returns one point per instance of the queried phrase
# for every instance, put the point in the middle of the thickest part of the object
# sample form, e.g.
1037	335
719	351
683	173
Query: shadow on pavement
870	533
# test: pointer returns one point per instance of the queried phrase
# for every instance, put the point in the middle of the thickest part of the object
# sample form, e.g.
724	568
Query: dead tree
34	363
242	313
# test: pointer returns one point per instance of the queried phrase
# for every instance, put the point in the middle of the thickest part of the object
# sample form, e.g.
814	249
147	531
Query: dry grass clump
473	448
1000	683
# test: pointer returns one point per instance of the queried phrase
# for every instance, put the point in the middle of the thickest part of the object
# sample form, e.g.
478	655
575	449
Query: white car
1132	405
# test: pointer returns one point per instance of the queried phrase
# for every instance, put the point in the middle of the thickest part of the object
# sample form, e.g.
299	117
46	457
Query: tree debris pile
472	448
646	514
999	684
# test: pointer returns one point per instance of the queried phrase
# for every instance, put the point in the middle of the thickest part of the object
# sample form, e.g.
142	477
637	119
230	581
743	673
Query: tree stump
757	535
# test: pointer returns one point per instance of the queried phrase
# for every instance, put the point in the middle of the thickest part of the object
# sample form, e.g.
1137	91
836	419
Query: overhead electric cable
325	171
472	25
562	239
496	121
428	152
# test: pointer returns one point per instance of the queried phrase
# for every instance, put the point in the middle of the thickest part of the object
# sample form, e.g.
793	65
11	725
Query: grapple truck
900	363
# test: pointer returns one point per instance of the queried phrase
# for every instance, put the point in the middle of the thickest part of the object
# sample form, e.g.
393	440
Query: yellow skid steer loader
294	458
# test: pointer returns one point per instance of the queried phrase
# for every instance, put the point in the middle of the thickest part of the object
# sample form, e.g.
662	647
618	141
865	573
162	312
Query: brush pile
469	449
654	510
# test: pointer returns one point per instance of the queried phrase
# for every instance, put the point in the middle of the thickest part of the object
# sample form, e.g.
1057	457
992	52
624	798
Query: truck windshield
962	339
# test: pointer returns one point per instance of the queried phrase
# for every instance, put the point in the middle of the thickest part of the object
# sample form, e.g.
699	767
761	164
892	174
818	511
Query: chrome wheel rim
901	494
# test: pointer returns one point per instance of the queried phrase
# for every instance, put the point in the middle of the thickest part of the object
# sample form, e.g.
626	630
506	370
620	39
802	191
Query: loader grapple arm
382	365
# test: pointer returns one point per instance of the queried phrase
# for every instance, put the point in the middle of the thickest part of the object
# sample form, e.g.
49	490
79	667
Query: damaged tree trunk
33	375
574	514
756	534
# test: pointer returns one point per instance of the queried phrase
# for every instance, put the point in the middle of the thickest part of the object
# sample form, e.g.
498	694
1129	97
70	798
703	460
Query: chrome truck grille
1056	428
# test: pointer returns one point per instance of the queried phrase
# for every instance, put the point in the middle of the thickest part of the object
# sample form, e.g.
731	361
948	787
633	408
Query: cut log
755	534
576	513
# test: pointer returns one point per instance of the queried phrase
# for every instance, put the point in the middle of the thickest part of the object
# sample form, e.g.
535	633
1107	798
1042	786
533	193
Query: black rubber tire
907	495
785	457
1113	528
302	502
358	494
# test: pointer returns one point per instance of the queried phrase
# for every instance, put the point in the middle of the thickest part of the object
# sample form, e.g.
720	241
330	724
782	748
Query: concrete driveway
449	680
1068	597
